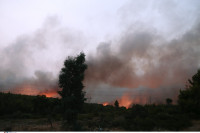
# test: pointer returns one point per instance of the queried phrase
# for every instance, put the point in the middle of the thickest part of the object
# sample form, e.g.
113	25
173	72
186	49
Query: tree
189	99
169	101
116	104
70	81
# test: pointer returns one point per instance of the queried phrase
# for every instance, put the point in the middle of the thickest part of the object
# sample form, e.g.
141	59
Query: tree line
70	108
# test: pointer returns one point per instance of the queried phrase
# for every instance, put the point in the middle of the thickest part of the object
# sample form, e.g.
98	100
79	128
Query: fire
125	101
50	94
31	90
105	103
25	90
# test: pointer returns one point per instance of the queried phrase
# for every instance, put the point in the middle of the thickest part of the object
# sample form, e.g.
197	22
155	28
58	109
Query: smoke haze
145	60
146	54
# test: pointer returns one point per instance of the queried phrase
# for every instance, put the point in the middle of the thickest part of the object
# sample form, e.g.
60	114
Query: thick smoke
144	59
141	63
17	62
30	65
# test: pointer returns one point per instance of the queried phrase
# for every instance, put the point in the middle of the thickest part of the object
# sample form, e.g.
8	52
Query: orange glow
50	94
105	104
30	90
125	101
25	90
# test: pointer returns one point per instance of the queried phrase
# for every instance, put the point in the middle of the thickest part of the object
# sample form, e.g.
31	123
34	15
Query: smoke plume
139	63
30	65
144	59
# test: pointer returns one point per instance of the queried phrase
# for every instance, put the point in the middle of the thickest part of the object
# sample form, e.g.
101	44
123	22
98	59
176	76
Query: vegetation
169	101
116	104
82	116
94	117
70	81
189	99
25	106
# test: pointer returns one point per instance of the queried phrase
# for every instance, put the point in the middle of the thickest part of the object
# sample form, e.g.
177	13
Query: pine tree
169	101
116	104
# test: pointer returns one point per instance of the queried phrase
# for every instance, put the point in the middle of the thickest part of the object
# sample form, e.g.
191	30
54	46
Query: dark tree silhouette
70	80
116	104
189	99
169	101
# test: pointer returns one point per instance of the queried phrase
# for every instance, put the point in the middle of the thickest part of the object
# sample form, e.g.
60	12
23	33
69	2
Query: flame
125	101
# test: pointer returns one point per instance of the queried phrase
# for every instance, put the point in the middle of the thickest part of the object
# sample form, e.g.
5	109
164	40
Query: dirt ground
29	125
45	125
195	126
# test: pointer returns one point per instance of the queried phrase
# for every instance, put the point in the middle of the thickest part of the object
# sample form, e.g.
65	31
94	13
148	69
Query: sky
136	50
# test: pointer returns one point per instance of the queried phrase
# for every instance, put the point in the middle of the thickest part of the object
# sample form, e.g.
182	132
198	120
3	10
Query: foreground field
194	127
44	125
39	113
29	125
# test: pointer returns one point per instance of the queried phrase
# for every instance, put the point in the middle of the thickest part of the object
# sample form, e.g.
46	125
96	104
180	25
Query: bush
118	121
